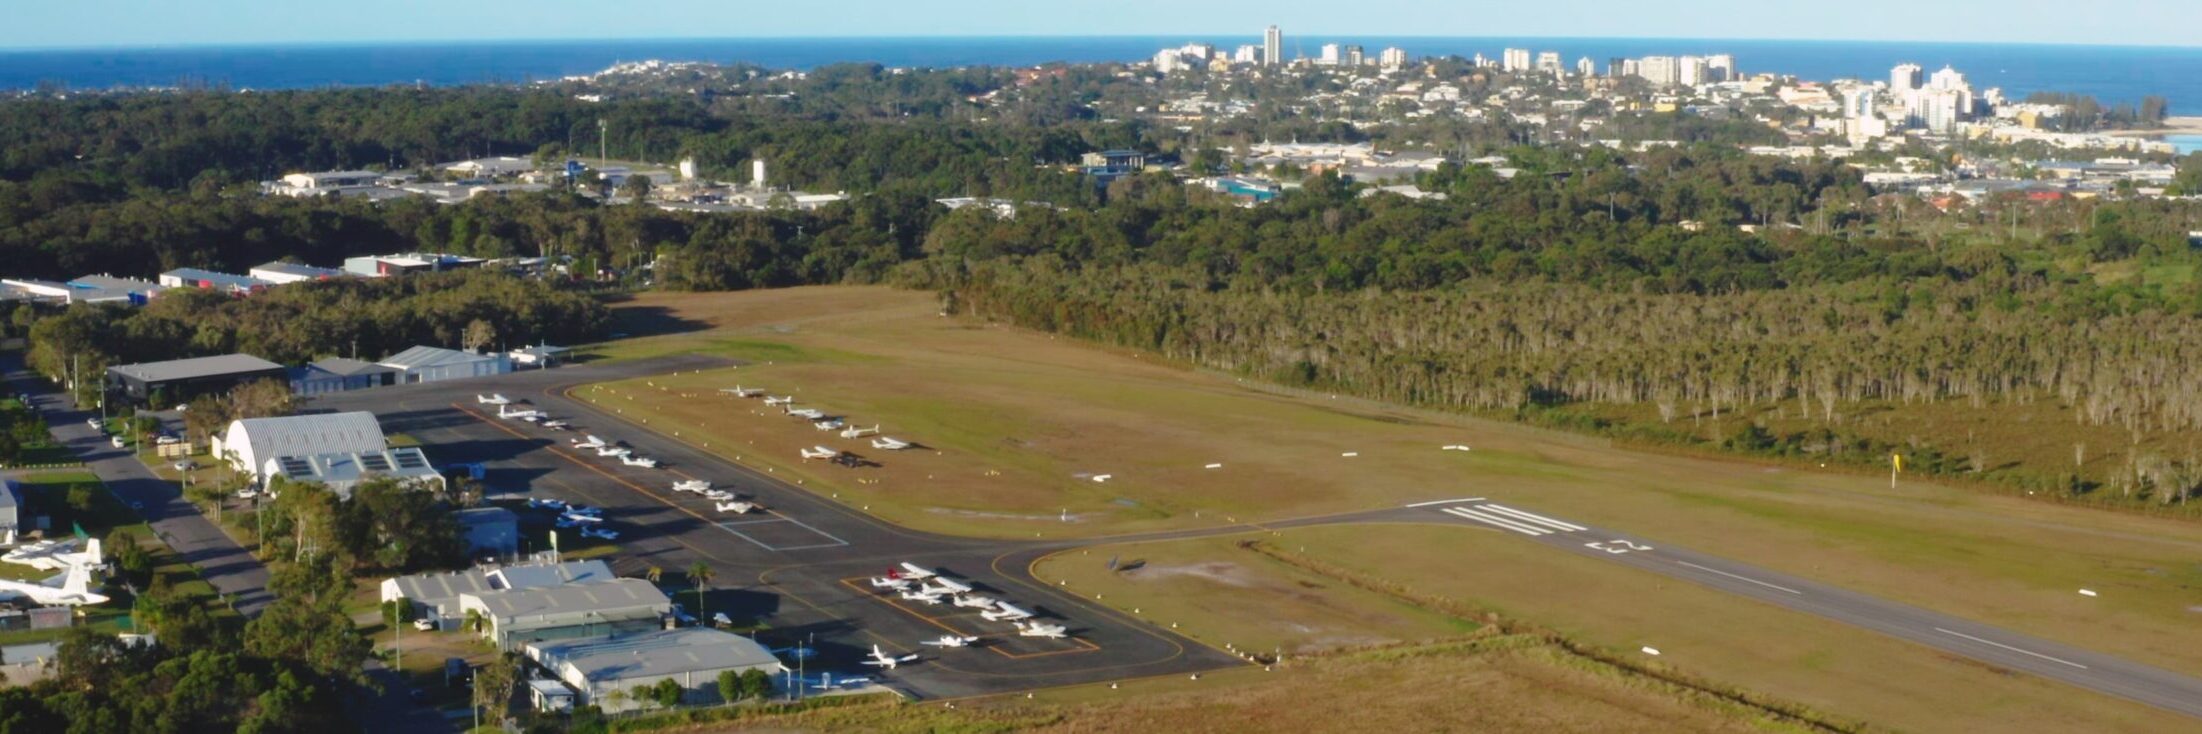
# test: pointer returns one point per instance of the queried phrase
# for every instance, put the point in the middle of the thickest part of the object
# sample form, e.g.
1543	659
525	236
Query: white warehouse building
250	443
693	656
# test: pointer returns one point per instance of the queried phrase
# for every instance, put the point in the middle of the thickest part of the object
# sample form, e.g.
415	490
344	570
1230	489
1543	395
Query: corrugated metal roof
608	596
436	589
656	653
432	357
185	369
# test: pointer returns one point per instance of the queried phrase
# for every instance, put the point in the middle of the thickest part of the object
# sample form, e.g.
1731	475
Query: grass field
1828	667
104	516
1014	418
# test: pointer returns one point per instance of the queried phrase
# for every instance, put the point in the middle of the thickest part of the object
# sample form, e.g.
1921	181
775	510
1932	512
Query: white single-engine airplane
947	586
884	660
821	452
855	432
738	508
951	641
697	486
742	392
827	424
974	601
923	596
71	588
890	444
54	555
808	413
1006	612
1041	629
502	412
589	441
718	495
890	583
492	399
612	451
912	571
644	462
782	400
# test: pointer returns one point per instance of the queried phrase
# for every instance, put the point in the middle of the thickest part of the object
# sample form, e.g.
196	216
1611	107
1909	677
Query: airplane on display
698	486
827	424
632	460
742	392
782	400
974	601
1041	629
927	597
808	413
590	442
1006	612
820	452
71	588
54	555
952	641
854	432
890	444
600	533
913	572
889	662
738	508
492	399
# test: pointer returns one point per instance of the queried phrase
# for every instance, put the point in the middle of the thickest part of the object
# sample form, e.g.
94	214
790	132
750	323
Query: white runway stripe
1495	521
1531	517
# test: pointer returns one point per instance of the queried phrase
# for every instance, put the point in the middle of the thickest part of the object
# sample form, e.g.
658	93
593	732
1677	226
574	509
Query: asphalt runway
800	568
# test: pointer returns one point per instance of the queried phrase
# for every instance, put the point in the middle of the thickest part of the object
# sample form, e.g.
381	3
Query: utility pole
603	147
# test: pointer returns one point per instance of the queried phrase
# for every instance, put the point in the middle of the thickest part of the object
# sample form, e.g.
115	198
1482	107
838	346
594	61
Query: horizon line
1194	37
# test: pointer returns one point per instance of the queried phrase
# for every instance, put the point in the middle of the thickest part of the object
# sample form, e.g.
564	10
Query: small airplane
575	521
820	452
556	425
742	392
718	495
54	555
1041	629
546	504
69	589
889	662
585	510
947	586
613	451
827	424
600	533
738	508
890	582
590	442
644	462
913	572
951	641
492	399
783	400
929	598
974	601
696	486
854	432
890	444
1006	612
808	413
521	414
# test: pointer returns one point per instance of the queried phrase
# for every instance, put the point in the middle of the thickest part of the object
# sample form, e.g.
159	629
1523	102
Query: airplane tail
77	580
91	550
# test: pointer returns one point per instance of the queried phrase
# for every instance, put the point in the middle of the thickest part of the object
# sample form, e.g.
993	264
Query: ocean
2113	74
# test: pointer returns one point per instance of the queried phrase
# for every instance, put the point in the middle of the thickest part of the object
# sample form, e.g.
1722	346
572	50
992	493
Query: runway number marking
1740	578
2010	648
1618	546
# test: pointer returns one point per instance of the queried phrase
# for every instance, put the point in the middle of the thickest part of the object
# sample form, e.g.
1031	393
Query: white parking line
1495	521
2010	648
1740	578
1447	502
1531	517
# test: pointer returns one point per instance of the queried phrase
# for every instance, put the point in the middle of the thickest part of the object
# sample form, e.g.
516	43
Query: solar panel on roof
410	459
374	462
296	466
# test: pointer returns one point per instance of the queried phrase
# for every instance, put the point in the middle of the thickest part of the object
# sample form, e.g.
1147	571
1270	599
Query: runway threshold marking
1746	578
2010	648
1446	502
1089	645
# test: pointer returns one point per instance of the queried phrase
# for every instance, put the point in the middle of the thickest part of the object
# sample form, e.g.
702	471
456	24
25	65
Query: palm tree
475	620
699	574
653	574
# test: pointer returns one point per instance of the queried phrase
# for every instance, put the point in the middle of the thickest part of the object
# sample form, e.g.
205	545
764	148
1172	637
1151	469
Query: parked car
425	625
185	465
93	422
117	441
167	440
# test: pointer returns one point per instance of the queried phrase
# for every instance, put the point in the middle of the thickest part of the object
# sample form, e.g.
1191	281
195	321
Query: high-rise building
1549	62
1392	59
1722	67
1167	61
1941	109
1904	78
1516	60
1690	71
1355	56
1659	70
1858	102
1585	67
1331	55
1632	67
1247	54
1481	62
1619	67
1273	46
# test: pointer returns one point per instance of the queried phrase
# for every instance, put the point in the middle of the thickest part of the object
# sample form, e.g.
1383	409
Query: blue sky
51	23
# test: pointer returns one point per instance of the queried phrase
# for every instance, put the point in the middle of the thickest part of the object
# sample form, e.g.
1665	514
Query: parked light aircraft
589	441
821	452
547	504
742	392
951	641
593	531
556	425
698	486
827	424
738	508
492	399
890	444
502	412
808	413
644	462
1006	612
54	555
1041	629
890	582
782	400
612	451
912	571
718	495
947	586
923	596
570	520
854	432
889	662
585	510
71	588
974	601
